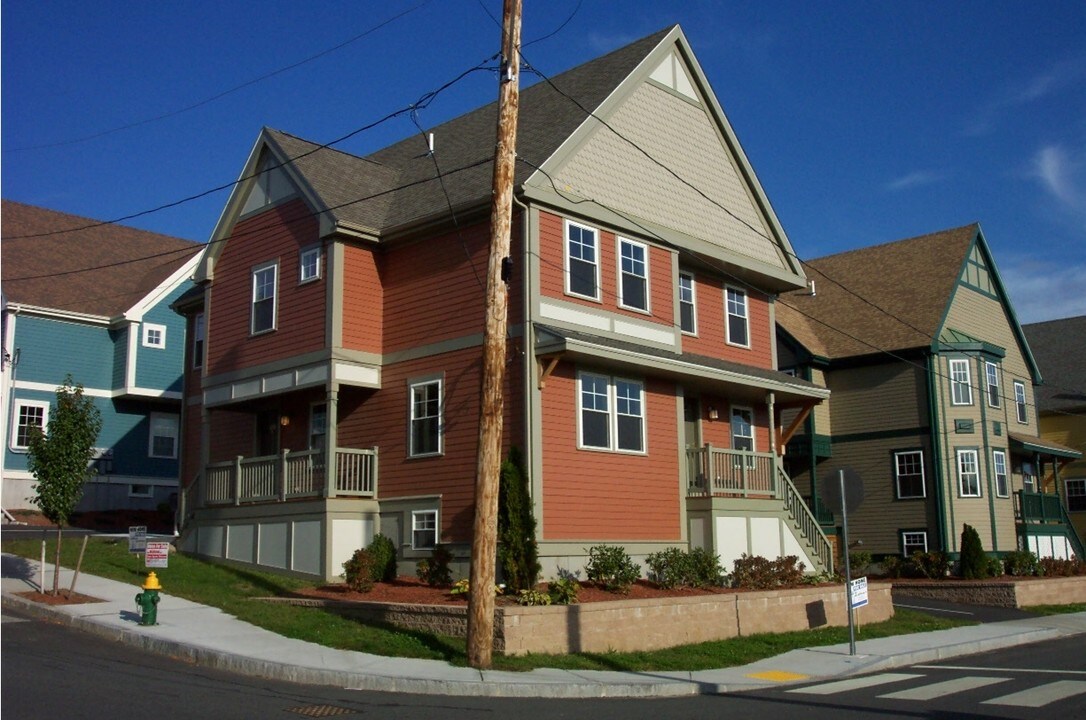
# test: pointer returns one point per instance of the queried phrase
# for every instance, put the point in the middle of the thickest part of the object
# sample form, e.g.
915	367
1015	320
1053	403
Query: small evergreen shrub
611	567
995	567
754	572
359	571
974	562
669	568
564	590
1021	563
705	569
933	565
518	553
384	558
435	570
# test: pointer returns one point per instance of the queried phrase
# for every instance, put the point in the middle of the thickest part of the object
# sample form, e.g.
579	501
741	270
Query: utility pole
484	541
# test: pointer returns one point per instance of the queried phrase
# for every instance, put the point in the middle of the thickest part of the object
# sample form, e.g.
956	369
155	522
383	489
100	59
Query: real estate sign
158	554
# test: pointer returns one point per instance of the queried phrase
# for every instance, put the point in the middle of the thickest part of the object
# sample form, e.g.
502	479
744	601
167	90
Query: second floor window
425	418
309	265
264	286
1076	494
582	261
634	274
991	376
909	473
1020	401
687	308
999	466
960	391
737	327
198	340
154	336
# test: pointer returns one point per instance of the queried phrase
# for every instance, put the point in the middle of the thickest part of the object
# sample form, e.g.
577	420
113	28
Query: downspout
528	343
937	454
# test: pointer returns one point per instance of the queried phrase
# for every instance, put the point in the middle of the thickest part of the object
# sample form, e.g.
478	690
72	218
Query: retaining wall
1018	593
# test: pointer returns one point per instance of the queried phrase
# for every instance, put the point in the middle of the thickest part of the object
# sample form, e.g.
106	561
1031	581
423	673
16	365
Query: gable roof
103	270
899	295
1059	347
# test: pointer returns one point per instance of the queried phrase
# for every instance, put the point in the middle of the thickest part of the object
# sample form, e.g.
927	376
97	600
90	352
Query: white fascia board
53	313
164	288
130	356
230	210
100	392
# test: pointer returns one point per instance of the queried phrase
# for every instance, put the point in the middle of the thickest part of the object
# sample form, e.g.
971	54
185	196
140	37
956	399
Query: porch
304	474
1042	515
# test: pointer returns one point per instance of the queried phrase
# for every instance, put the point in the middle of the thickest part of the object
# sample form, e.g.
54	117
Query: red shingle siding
363	299
233	433
609	496
276	234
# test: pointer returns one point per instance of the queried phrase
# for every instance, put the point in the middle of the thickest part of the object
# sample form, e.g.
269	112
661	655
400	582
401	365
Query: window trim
274	298
731	426
415	516
568	257
176	419
133	494
693	303
959	453
149	328
313	430
1079	482
17	405
999	457
898	455
312	250
199	338
728	316
904	545
439	418
620	242
611	384
1021	415
991	383
955	383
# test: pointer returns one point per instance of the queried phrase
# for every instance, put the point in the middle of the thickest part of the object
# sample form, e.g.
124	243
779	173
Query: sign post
844	495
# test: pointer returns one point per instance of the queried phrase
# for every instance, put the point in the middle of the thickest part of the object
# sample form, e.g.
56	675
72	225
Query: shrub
533	597
359	571
384	558
669	568
893	566
858	561
518	554
754	572
995	567
933	565
974	563
611	567
1058	567
564	590
1021	563
705	568
435	570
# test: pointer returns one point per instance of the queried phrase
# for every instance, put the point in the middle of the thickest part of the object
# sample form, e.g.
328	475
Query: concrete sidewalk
209	637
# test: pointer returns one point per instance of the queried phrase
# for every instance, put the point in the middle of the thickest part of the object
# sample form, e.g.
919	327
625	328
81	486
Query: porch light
713	414
284	420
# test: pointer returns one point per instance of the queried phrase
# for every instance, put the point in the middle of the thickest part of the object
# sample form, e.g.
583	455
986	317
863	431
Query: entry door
267	432
692	422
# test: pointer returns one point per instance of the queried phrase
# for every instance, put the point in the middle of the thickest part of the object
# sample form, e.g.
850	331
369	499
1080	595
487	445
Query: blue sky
865	122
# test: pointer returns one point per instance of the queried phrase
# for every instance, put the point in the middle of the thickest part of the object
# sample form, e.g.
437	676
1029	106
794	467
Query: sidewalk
208	637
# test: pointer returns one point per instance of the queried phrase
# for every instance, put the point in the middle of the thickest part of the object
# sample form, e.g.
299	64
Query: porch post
331	442
283	475
770	401
205	454
237	480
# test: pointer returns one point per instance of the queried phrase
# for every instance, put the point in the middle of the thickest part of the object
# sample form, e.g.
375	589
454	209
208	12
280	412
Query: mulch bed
62	599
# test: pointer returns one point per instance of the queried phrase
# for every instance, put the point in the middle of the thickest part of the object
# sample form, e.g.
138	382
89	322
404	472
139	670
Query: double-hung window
960	391
309	264
968	473
1076	494
909	474
1020	401
991	376
198	340
999	467
582	261
612	413
426	409
913	541
737	321
423	529
163	439
688	319
30	417
265	279
634	275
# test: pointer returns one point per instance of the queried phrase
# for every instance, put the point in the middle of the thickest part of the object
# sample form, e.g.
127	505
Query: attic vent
430	143
811	288
672	73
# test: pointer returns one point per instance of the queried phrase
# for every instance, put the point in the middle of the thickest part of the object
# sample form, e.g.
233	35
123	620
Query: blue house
92	300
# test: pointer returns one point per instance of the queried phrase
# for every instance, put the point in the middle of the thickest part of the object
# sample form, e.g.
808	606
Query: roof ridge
915	238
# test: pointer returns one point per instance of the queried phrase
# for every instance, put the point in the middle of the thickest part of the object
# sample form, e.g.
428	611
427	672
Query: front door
267	432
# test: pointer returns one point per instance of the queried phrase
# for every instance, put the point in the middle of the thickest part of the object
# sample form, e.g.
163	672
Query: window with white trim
909	474
737	318
30	415
309	264
1076	494
968	473
154	336
991	376
960	391
611	412
198	340
999	468
688	319
742	429
426	408
140	490
582	261
423	529
1020	401
913	541
633	272
162	442
265	281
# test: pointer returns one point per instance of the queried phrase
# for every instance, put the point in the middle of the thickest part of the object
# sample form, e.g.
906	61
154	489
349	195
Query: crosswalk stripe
941	689
1041	695
854	683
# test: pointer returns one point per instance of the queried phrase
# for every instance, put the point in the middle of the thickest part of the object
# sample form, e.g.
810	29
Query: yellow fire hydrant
148	600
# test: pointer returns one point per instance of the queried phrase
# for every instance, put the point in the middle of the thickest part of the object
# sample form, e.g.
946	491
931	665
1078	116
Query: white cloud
1042	85
1062	176
914	179
1045	290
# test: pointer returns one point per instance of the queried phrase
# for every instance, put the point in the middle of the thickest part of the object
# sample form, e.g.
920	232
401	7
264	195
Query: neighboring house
932	400
341	325
1060	349
92	300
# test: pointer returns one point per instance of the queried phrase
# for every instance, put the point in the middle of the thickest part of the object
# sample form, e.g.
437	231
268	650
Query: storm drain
320	710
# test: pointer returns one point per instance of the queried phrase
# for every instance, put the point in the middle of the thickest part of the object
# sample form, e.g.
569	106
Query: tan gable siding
685	139
876	398
822	414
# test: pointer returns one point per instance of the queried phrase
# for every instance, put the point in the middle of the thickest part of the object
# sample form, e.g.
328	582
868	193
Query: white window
265	280
742	429
633	272
198	340
1076	494
309	264
688	317
909	474
154	336
737	322
29	415
163	440
612	413
425	418
991	375
999	465
913	541
968	474
141	491
960	391
1020	401
582	261
423	529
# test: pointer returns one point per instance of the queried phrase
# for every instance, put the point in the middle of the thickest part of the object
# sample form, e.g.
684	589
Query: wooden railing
1047	509
718	471
291	475
805	521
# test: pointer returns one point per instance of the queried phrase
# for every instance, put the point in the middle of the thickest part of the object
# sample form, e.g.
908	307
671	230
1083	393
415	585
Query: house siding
876	398
162	367
711	339
39	340
363	299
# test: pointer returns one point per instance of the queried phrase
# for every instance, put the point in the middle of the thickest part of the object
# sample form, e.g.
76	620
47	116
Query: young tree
518	554
59	458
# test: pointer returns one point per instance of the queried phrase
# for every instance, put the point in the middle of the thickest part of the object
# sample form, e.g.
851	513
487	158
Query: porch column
331	472
770	401
205	454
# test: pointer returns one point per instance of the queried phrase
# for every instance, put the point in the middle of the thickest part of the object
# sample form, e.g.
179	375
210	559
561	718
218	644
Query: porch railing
291	475
1047	509
805	522
718	471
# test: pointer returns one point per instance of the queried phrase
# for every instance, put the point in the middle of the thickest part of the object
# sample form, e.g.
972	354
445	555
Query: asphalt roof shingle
1059	347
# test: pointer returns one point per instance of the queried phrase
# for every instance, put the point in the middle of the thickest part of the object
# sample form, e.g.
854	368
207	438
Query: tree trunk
56	565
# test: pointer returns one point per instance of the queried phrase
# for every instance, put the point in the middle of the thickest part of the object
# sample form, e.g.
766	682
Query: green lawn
233	589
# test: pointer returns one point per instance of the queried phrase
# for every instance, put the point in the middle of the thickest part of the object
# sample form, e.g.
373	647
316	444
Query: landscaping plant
518	554
359	570
974	562
612	568
383	551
